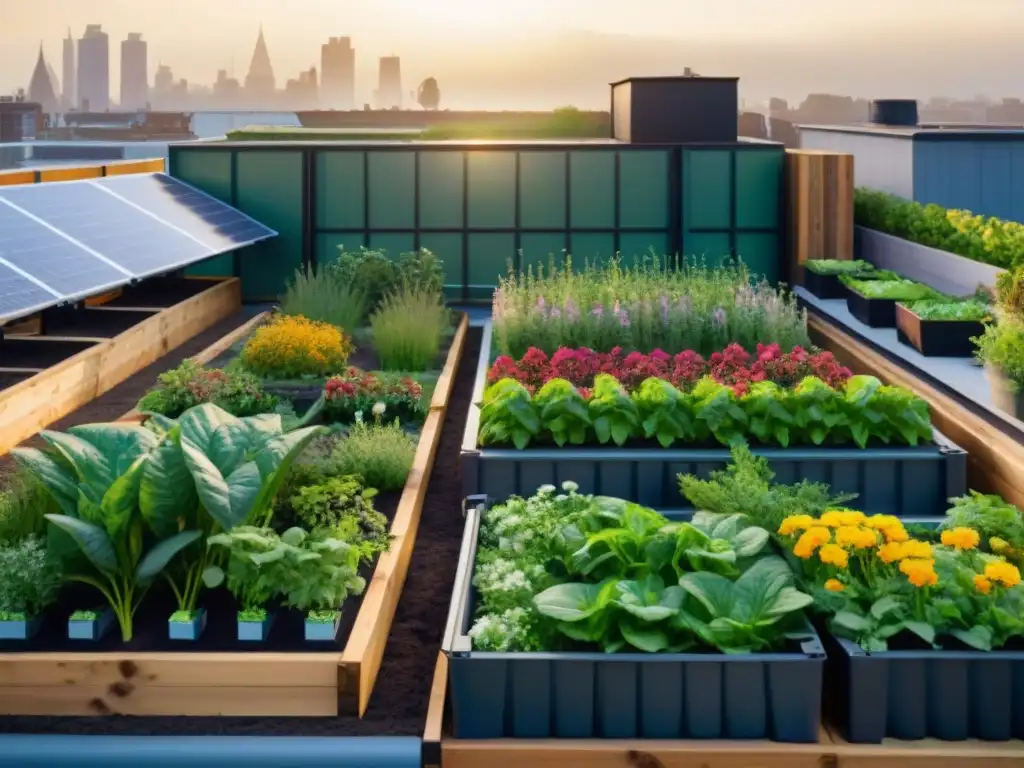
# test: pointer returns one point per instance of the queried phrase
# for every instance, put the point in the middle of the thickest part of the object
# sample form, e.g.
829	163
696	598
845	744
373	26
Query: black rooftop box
681	109
894	112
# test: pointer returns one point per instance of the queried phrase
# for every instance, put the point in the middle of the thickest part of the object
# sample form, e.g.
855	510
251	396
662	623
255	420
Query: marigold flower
833	554
833	518
998	545
855	536
834	585
982	584
890	552
1003	572
918	549
890	526
920	573
810	540
795	523
852	517
961	538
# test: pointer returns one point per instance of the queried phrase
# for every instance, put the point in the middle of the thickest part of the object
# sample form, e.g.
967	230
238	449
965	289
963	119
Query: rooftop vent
894	112
682	109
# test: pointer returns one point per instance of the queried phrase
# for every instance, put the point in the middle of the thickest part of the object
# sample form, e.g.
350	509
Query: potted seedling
90	625
873	302
322	626
186	624
937	328
29	580
254	624
821	276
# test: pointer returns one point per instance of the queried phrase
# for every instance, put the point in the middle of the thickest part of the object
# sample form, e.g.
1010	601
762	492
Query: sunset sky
784	46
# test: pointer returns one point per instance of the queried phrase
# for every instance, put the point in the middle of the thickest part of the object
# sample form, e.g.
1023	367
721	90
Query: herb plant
236	391
380	452
343	507
30	578
838	266
319	294
375	275
938	309
408	327
24	502
1001	346
999	523
1010	294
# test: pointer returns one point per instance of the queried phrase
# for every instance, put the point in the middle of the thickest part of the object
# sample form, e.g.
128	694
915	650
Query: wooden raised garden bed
82	353
247	683
937	338
888	479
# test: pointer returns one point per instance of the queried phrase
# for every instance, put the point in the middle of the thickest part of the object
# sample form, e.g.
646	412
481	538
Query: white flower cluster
507	631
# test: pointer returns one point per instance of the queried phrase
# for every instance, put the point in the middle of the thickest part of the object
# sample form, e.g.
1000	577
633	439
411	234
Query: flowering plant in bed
812	413
356	391
653	304
294	347
732	366
567	571
236	391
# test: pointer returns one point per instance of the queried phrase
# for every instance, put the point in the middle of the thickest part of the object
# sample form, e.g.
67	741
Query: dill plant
322	295
408	328
380	452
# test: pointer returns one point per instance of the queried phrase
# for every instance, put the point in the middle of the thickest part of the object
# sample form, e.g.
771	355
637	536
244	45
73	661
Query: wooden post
819	187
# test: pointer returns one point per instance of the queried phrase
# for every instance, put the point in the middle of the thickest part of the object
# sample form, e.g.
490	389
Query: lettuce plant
612	412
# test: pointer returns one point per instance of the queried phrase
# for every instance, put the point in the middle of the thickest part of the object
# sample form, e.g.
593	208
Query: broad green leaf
569	602
159	556
228	446
92	467
211	488
121	443
199	424
712	590
91	539
922	629
293	444
167	492
276	450
646	638
883	606
976	637
59	481
121	499
852	621
789	600
244	486
213	576
749	541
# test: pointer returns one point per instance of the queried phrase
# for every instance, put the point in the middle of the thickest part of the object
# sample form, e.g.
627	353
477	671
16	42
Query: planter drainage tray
629	695
888	479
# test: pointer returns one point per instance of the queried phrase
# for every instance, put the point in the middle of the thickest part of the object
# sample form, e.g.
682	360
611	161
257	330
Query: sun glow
467	15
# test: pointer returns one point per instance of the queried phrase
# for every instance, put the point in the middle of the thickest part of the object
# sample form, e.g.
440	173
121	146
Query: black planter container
876	313
937	338
824	286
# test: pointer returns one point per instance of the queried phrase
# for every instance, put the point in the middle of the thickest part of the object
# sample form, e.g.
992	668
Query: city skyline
542	60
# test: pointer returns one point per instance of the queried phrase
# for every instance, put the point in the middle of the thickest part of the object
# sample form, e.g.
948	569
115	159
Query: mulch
399	702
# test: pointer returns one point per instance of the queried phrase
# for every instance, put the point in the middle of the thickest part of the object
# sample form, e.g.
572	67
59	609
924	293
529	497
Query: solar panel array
64	241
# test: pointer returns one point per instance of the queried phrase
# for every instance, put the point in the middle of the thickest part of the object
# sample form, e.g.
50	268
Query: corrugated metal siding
880	162
982	176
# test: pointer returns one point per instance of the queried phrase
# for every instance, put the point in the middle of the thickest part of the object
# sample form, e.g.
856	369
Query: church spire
41	88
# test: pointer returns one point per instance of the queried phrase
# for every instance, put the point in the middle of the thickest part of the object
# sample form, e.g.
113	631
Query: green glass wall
481	209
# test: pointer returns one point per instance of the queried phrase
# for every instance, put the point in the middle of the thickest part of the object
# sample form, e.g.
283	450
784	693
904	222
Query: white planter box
942	270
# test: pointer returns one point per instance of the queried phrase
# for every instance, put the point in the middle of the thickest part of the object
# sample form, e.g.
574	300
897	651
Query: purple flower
718	317
572	311
623	318
540	307
555	313
597	311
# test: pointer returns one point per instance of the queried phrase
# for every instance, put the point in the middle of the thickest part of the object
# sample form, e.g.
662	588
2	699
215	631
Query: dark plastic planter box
20	630
188	630
876	313
824	286
318	632
255	631
91	629
949	695
937	338
626	695
889	480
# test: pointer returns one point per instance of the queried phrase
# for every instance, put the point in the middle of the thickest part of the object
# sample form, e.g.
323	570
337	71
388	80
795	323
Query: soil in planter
399	702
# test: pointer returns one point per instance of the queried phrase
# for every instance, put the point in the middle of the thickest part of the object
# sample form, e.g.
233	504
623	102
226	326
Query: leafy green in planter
30	578
1001	346
899	290
253	615
838	266
84	616
343	506
323	617
184	617
559	570
939	309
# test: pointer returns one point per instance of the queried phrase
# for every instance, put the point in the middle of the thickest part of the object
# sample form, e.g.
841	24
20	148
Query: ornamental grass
651	304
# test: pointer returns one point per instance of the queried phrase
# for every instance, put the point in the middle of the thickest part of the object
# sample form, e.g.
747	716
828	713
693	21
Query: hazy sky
516	51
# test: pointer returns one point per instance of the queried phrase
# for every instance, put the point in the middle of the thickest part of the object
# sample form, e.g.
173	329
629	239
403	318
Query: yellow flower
292	345
919	549
810	540
855	536
834	585
1003	572
961	538
890	526
982	584
832	518
998	545
920	573
891	552
835	555
851	517
795	523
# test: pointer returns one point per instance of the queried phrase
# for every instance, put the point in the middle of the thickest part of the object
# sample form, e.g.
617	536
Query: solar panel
124	234
20	296
46	255
203	217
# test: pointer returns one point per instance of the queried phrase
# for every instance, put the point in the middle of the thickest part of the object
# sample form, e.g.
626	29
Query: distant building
41	88
338	74
302	92
260	86
134	72
94	70
227	91
20	120
70	79
163	85
389	83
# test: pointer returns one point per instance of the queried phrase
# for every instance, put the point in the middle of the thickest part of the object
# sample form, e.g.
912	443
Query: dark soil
398	705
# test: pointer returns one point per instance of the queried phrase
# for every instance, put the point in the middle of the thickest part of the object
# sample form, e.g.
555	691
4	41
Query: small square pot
91	629
824	286
190	630
255	631
876	313
20	630
319	632
937	338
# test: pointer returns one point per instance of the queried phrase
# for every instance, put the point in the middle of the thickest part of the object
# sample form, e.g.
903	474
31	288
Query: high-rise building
134	72
389	83
226	91
94	70
302	93
338	74
70	74
260	87
41	88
